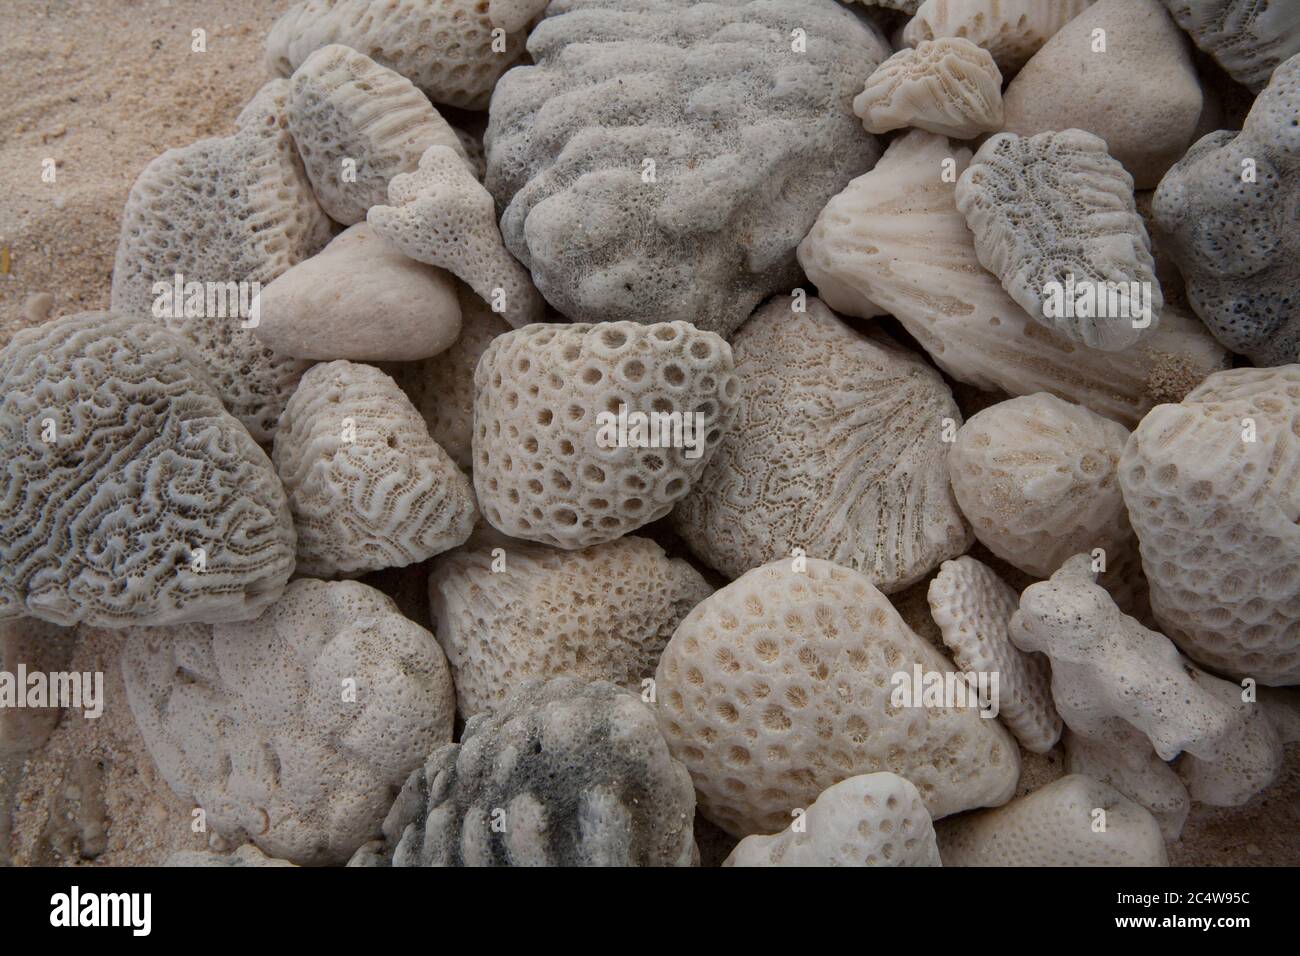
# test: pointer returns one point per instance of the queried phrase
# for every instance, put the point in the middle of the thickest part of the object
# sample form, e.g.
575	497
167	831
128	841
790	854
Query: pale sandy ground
102	86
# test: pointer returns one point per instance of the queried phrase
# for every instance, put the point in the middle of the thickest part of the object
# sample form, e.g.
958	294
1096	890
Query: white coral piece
895	242
837	449
442	215
1056	208
973	608
874	819
1056	825
782	684
528	612
1249	38
128	495
226	210
549	462
947	86
345	106
1011	30
1213	491
368	487
332	684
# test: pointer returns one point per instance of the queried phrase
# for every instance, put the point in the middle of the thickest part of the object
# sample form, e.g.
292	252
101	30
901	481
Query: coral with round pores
368	487
662	159
294	730
1127	691
837	449
874	819
947	86
894	241
441	215
603	613
1056	825
1011	30
788	681
442	387
447	48
973	608
359	298
1116	52
1212	487
1226	214
357	125
565	773
583	433
223	216
1054	212
128	495
1249	38
1038	480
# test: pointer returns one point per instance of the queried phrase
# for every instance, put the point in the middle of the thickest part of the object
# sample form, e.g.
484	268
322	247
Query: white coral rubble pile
884	508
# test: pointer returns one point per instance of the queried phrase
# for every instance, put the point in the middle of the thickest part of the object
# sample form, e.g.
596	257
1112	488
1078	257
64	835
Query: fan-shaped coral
1012	30
1249	38
947	86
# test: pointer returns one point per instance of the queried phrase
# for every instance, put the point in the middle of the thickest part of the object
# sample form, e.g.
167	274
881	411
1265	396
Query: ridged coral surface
1249	38
947	86
663	157
1012	30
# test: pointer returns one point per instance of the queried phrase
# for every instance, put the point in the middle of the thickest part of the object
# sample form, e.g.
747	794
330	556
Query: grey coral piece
247	855
565	773
119	469
224	210
748	139
1226	213
1249	38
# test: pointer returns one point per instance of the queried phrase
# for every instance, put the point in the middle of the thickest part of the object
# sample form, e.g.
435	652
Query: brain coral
875	819
442	46
563	774
548	463
345	106
1037	479
784	683
1249	38
127	494
1227	214
948	86
603	613
1055	826
1213	490
251	720
664	157
368	487
223	211
894	241
1012	30
1055	207
837	449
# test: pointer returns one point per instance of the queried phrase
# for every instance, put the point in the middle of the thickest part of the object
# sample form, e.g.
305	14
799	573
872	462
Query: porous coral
246	855
1011	30
565	773
1037	478
788	681
1055	211
128	495
219	212
895	242
294	730
875	819
663	157
445	47
1249	38
837	449
357	125
1056	825
559	454
973	608
603	613
1226	213
441	215
947	86
368	487
1213	490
